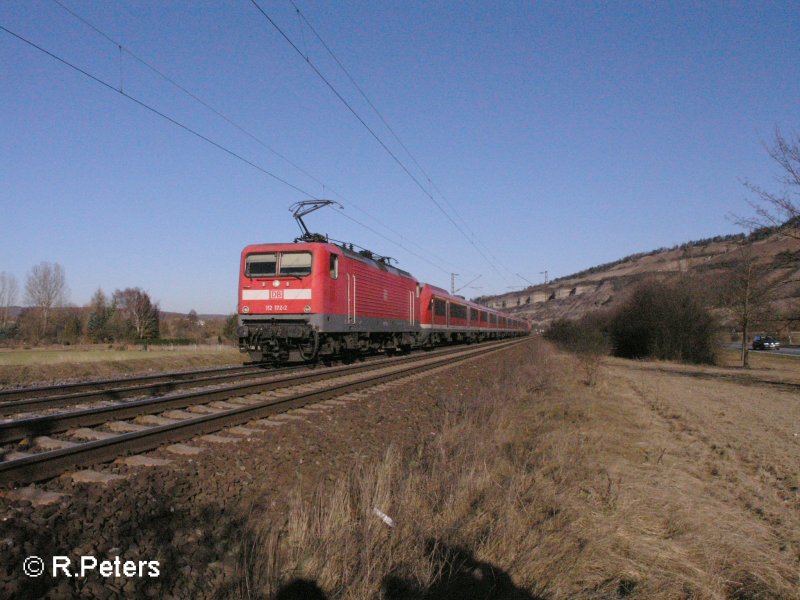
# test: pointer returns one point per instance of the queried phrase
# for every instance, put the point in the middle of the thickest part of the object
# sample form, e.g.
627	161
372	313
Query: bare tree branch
780	210
45	288
8	295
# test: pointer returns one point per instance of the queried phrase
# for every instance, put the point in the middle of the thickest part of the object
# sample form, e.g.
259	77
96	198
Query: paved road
792	351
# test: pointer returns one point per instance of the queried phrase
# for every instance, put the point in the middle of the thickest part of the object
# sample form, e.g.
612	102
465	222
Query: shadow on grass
300	589
460	576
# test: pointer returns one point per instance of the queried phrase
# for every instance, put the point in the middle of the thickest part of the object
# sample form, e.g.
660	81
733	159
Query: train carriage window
439	307
457	311
473	315
260	265
295	263
483	316
334	266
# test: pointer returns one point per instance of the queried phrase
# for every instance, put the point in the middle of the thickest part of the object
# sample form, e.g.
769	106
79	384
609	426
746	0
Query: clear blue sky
565	134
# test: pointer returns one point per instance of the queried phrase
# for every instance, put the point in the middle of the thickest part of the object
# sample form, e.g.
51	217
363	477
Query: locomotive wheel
309	351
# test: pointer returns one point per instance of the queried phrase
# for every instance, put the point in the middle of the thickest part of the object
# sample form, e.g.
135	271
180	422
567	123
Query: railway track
58	396
135	426
34	398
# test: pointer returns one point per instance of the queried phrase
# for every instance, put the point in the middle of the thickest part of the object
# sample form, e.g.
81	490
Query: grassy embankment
50	365
659	480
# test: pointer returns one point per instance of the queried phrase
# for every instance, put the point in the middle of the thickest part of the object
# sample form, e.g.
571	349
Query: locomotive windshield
261	265
295	264
272	264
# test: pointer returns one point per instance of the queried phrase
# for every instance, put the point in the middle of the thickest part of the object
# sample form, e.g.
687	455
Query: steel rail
12	431
46	397
120	393
63	389
48	464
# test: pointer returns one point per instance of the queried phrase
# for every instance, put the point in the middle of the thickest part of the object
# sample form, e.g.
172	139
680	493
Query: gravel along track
32	401
43	398
159	421
24	393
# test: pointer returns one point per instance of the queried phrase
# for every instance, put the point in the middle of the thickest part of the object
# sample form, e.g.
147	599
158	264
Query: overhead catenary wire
249	134
188	92
155	111
375	136
389	127
205	138
420	257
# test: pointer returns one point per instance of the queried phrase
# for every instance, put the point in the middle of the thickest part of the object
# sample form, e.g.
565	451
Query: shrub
587	335
9	332
587	338
664	321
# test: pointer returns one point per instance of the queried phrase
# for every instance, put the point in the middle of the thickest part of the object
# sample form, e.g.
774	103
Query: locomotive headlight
276	283
307	308
245	309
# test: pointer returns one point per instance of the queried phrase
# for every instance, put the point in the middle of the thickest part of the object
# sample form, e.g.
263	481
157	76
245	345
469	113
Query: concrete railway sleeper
44	425
163	386
49	463
9	396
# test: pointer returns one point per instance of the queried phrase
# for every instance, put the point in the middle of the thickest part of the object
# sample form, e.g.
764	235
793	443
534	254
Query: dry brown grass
67	365
649	484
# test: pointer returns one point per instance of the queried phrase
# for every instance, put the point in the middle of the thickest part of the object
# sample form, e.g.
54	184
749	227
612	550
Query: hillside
707	262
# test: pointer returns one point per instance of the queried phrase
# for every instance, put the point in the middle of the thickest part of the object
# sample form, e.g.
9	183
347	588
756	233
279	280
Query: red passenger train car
312	299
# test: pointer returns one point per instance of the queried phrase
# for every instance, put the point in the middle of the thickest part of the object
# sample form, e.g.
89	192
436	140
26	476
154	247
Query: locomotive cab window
439	307
334	266
295	264
260	265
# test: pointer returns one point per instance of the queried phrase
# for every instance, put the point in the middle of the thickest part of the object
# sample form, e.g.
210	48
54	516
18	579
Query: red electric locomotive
312	299
301	301
320	299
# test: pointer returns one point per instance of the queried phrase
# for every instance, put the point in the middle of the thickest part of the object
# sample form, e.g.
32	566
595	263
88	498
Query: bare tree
8	295
779	209
45	288
749	293
135	305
